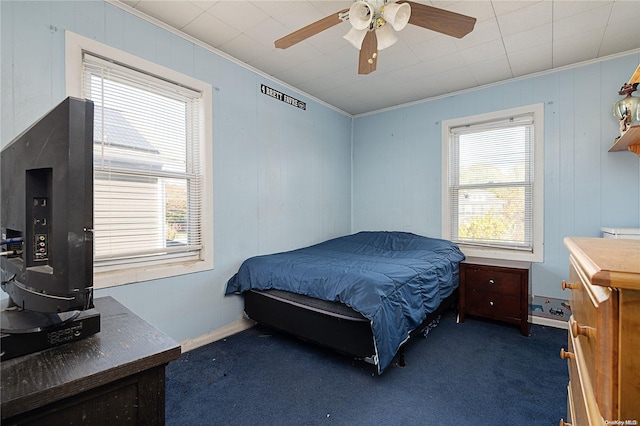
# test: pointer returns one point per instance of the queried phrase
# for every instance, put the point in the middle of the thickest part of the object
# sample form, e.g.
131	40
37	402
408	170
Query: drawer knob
566	285
586	331
490	303
566	355
491	282
563	423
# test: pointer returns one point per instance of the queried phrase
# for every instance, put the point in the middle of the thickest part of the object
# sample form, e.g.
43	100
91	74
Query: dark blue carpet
475	373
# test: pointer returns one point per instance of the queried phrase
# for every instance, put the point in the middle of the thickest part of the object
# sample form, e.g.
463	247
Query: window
152	217
493	184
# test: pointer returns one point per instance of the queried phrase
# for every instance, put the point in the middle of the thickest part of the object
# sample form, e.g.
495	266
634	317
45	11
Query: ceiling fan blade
310	30
440	20
368	54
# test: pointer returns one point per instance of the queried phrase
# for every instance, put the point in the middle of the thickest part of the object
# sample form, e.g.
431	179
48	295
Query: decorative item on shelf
627	110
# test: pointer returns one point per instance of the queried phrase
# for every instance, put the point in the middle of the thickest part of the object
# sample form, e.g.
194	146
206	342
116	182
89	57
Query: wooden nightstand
496	292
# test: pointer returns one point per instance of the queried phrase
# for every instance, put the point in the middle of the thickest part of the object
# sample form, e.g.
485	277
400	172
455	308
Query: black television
46	221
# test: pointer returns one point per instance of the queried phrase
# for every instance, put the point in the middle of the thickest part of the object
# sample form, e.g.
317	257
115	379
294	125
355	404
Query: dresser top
125	345
608	262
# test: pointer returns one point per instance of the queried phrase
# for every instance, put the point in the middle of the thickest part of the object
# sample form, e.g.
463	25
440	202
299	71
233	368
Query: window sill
504	263
493	255
148	272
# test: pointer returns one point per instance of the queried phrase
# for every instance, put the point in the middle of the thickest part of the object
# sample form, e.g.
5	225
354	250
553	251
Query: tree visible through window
492	182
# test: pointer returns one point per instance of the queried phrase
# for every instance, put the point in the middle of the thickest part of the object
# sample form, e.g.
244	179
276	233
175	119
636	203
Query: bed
363	294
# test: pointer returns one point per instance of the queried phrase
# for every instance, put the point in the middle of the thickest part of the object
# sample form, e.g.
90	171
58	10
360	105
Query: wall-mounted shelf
630	141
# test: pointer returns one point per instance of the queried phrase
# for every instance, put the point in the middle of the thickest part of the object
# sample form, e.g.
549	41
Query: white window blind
147	177
491	178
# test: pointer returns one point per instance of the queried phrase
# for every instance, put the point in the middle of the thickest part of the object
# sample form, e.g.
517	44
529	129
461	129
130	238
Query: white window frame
104	277
488	252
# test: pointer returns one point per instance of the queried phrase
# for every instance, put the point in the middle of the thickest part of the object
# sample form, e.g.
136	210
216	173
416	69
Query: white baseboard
220	333
549	322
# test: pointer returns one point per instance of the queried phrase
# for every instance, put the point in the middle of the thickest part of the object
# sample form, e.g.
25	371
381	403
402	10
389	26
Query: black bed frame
329	324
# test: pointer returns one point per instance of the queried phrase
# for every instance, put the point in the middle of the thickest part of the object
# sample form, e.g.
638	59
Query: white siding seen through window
150	204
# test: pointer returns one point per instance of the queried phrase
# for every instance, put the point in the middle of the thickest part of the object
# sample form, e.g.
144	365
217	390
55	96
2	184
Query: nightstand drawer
482	278
493	305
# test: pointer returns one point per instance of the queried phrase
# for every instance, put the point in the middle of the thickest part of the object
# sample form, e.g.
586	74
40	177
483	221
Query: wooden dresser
115	377
603	352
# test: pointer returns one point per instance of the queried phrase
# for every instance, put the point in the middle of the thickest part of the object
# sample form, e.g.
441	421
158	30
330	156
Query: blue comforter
394	279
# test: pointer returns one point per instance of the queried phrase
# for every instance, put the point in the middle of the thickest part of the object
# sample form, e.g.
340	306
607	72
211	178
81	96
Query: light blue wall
282	176
397	160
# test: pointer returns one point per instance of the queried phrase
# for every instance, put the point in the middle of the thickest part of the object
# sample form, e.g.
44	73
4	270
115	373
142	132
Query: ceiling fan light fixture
355	37
361	14
386	36
396	14
370	32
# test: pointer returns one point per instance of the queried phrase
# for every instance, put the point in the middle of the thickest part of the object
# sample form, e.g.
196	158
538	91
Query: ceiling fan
373	23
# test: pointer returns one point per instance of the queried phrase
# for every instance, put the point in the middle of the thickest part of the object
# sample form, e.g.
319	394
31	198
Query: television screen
46	214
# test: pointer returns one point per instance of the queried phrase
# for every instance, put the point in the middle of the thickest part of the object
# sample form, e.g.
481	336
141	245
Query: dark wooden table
114	377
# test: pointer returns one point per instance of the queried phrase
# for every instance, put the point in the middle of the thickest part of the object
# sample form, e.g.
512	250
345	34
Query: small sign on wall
281	96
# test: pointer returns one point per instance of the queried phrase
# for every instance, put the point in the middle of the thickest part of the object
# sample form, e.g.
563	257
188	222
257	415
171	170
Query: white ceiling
510	39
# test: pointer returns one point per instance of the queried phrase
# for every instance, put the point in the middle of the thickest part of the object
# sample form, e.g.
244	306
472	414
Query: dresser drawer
583	322
583	407
493	279
576	394
593	328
